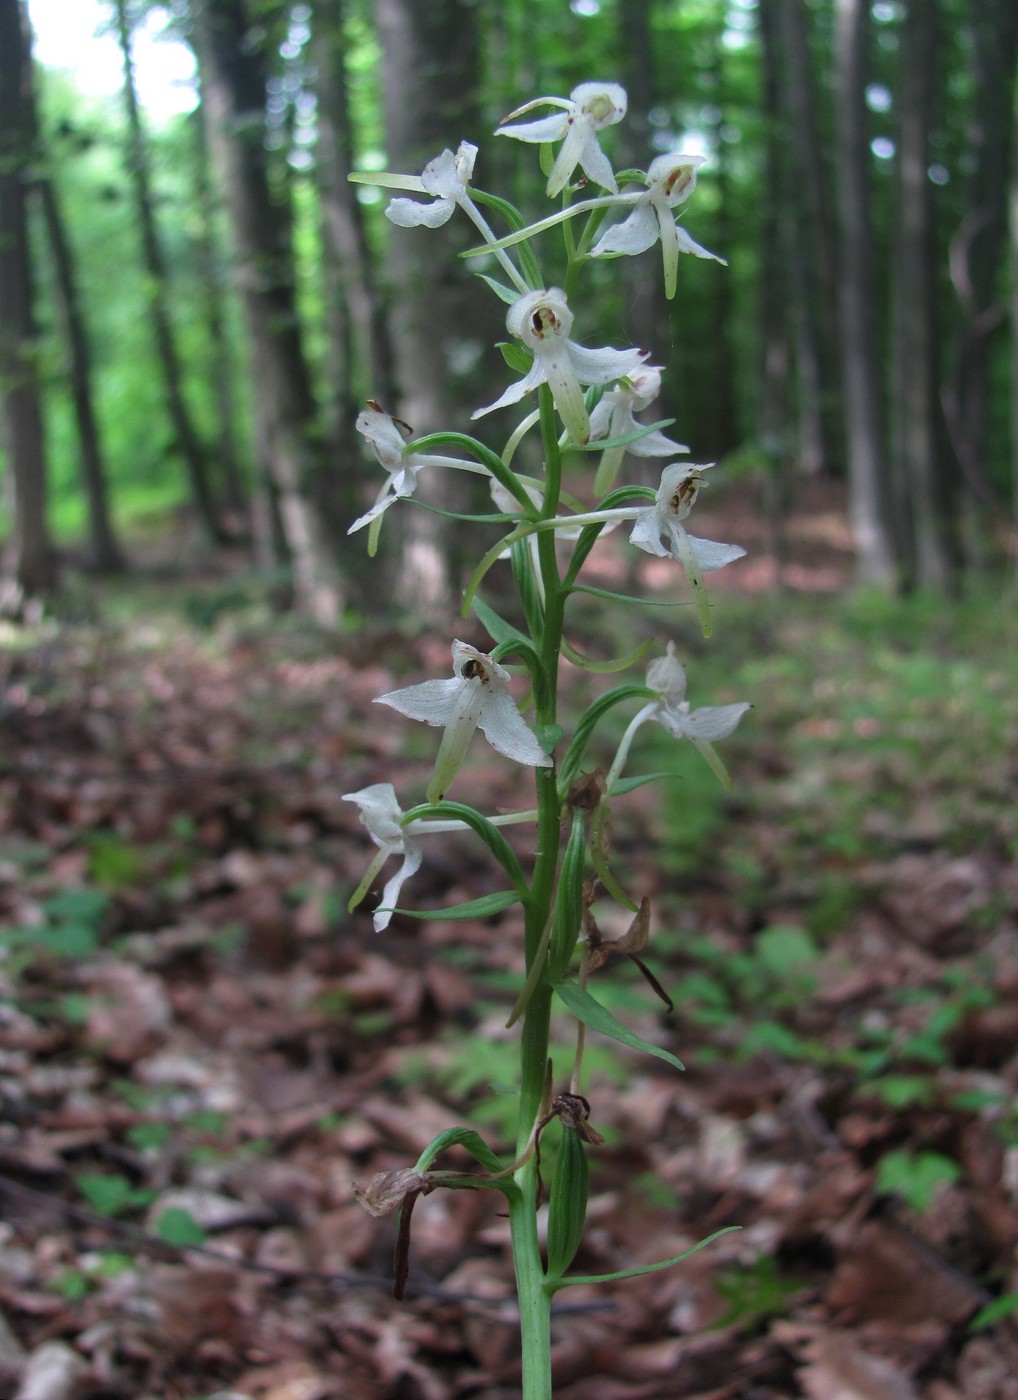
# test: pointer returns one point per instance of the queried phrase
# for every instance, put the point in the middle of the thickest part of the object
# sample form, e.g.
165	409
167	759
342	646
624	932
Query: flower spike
591	107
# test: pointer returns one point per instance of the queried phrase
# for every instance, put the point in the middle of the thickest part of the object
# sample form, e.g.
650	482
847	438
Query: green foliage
178	1227
111	1193
754	1294
71	931
915	1177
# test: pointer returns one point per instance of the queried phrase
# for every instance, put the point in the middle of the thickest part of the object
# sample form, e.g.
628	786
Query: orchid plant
586	405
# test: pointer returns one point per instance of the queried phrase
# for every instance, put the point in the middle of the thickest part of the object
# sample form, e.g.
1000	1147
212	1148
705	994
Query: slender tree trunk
187	439
919	484
977	246
362	354
231	478
441	321
773	407
867	465
1013	309
234	77
813	284
105	554
34	561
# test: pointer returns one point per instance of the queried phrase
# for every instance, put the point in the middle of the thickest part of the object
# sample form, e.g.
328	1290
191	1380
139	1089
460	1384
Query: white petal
385	437
441	177
412	855
654	445
667	675
635	235
603	103
709	723
571	151
533	377
409	213
711	556
508	733
380	811
688	246
551	128
432	702
596	165
380	506
646	533
602	366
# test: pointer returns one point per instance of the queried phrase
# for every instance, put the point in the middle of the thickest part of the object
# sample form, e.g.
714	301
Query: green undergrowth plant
577	911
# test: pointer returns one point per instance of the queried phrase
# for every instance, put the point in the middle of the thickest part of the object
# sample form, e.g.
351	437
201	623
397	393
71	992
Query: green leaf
179	1228
110	1194
496	626
994	1312
599	1018
504	293
614	597
473	909
489	834
75	941
915	1178
553	1285
77	906
517	357
784	949
567	1210
573	756
467	1138
625	785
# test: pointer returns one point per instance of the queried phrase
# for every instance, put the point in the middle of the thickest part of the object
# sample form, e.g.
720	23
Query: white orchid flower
591	107
476	698
383	817
672	179
446	179
613	418
542	320
667	676
382	814
659	530
388	437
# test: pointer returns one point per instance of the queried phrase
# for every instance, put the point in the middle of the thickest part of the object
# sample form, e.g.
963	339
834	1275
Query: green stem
534	1298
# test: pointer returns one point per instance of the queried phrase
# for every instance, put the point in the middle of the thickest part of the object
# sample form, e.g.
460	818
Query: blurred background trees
193	308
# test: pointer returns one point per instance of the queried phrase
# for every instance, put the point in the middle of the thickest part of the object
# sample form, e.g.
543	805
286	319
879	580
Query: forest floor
200	1050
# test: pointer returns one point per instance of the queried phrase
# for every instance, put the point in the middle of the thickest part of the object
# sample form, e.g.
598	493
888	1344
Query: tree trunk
773	407
977	246
443	320
34	561
362	352
187	439
221	365
234	76
814	248
921	500
867	467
